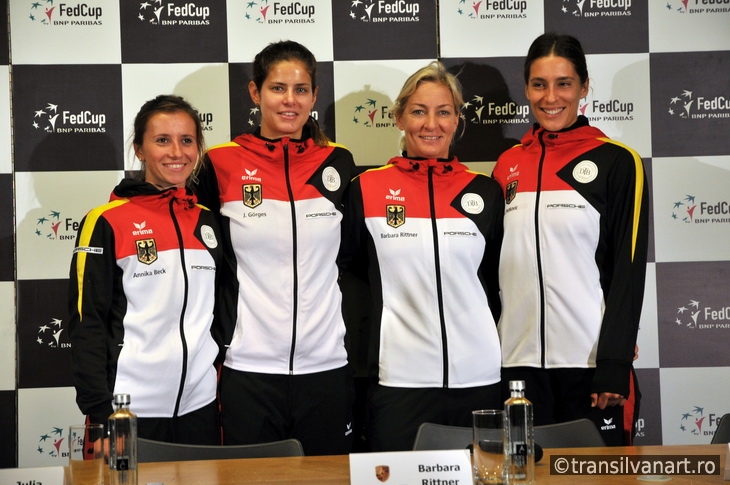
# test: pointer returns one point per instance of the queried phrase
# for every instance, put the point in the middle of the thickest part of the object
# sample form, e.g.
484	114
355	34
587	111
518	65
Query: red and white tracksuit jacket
574	253
432	229
141	297
281	207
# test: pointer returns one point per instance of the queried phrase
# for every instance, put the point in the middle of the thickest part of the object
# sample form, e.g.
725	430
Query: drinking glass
488	447
86	454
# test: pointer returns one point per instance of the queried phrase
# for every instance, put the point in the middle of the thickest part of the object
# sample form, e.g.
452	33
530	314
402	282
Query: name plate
447	467
49	475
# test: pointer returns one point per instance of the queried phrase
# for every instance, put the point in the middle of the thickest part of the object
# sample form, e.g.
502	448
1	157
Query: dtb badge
146	251
396	215
252	195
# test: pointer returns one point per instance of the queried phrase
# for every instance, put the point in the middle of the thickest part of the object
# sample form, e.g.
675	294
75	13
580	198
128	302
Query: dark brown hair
168	103
561	45
288	50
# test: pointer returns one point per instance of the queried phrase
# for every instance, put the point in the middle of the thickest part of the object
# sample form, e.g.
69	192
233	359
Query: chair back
579	433
151	450
571	434
722	433
432	436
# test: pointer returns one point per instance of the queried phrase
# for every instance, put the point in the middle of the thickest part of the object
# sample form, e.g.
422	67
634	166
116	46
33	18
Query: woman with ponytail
143	283
279	194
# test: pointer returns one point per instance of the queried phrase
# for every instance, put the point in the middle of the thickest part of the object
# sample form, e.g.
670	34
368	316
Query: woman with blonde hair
432	229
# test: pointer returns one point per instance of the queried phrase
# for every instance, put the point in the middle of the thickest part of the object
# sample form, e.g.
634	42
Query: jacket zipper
439	292
181	245
541	279
295	270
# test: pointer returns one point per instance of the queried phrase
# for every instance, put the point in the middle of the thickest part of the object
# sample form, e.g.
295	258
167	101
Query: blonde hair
435	72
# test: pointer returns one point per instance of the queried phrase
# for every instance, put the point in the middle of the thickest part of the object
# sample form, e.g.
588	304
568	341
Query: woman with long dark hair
279	193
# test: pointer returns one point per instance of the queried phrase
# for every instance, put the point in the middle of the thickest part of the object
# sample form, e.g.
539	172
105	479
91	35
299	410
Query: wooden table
335	470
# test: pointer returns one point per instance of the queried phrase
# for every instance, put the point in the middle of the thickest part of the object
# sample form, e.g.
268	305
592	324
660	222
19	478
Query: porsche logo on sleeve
146	251
252	195
396	215
511	191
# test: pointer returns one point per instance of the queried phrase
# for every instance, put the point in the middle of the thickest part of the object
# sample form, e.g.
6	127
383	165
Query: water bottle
519	436
122	443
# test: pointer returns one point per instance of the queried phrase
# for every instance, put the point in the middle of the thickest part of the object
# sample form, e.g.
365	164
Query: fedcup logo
687	314
370	113
53	119
385	10
274	12
154	12
689	210
49	335
257	11
681	105
688	105
699	423
696	317
607	110
477	111
46	118
52	226
52	444
678	5
491	9
707	6
684	209
594	8
46	13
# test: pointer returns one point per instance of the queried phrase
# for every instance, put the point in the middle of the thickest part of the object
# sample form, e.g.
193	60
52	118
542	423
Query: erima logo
395	195
608	424
251	175
141	231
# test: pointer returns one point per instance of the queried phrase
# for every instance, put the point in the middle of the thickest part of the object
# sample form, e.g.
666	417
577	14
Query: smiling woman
168	141
279	190
432	231
286	97
429	120
574	256
142	288
169	149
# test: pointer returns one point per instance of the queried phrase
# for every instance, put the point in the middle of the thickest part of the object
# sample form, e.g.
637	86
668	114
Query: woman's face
169	149
286	99
429	121
554	91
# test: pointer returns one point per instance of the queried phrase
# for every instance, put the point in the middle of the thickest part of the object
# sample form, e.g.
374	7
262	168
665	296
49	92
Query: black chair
432	436
722	433
571	434
150	450
581	433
